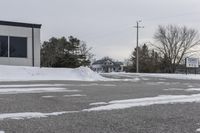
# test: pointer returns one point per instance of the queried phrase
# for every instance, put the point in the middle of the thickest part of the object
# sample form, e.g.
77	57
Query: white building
19	44
106	65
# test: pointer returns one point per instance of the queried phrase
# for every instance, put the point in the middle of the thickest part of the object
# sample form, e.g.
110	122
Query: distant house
107	65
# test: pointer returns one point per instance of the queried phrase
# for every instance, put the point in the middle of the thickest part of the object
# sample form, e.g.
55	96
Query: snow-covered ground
147	101
34	90
29	115
174	76
159	75
198	130
20	73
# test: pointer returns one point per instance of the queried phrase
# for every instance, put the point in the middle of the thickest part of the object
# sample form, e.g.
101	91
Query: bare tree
84	50
174	42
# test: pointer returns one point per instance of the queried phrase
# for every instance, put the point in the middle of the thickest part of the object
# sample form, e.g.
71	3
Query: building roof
20	24
100	62
119	63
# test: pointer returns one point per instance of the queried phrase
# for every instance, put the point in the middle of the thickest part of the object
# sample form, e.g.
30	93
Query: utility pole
137	50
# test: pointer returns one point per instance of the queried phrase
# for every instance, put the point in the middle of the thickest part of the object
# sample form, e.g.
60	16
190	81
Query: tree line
172	44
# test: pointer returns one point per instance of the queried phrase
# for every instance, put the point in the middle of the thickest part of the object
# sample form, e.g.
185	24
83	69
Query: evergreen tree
149	60
60	52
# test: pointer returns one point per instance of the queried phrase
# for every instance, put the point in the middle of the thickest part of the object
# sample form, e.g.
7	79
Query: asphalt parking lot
66	106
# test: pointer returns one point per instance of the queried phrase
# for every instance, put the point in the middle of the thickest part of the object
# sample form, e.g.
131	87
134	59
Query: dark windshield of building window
18	47
3	46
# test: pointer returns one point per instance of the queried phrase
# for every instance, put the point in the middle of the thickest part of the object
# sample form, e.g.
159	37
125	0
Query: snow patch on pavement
193	89
95	84
53	85
30	115
190	86
175	89
21	73
131	80
2	132
33	90
180	89
48	96
31	85
75	95
164	99
198	130
98	103
146	79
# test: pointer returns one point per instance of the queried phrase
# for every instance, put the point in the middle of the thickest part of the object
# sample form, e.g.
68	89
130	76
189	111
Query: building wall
22	32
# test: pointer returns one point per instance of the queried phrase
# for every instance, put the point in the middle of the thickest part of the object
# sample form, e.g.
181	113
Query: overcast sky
105	25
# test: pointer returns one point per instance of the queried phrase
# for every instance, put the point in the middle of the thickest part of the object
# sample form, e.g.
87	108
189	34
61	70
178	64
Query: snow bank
21	73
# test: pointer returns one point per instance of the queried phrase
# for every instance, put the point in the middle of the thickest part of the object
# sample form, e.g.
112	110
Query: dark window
3	46
18	47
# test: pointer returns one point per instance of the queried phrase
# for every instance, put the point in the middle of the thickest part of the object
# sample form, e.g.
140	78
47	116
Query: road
64	108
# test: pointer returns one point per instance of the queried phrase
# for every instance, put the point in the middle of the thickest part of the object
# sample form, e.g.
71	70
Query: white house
107	65
19	44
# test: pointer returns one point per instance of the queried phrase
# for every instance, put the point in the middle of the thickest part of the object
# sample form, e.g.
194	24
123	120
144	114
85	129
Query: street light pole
137	48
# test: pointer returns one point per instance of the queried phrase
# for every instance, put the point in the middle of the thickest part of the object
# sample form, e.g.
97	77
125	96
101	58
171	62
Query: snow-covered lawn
20	73
173	76
158	75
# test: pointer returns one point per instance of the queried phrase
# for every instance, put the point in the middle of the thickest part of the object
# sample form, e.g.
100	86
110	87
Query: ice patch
165	99
33	90
75	95
30	115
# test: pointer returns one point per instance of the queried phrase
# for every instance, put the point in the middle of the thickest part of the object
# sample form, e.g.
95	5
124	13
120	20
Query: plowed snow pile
20	73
